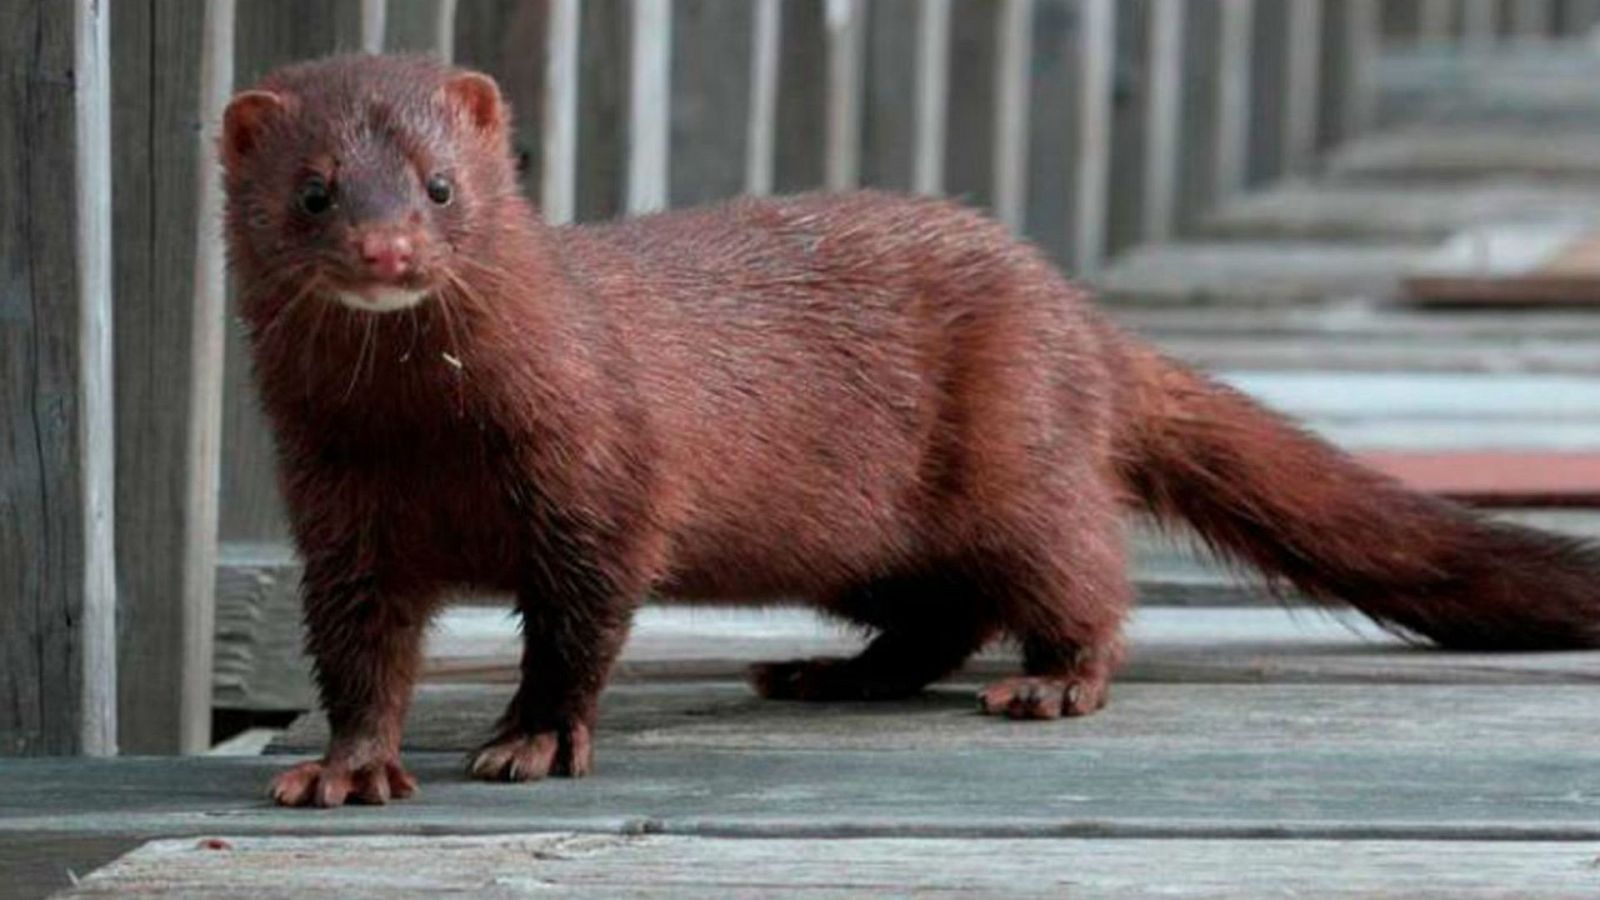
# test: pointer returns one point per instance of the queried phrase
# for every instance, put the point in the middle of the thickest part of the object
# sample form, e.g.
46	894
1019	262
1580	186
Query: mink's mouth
381	298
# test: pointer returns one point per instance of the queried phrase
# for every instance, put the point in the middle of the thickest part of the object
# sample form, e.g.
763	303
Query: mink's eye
440	190
316	197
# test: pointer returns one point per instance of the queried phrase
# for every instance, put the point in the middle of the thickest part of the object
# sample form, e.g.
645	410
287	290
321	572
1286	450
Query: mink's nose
387	256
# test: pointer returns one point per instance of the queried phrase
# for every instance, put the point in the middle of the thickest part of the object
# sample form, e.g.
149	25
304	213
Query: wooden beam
58	673
1533	18
445	30
932	98
1013	99
1363	34
1437	23
1302	92
846	26
559	161
649	104
374	14
1231	157
1164	124
1097	50
763	120
1480	22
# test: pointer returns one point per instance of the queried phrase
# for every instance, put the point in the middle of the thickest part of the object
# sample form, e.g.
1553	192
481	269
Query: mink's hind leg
928	626
1066	607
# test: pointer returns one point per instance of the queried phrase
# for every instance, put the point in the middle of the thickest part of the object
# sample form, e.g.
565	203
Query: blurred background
1380	217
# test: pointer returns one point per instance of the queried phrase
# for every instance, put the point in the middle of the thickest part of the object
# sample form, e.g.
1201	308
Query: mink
886	405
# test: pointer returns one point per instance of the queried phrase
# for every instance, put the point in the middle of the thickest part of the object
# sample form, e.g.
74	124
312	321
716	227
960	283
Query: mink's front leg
367	647
570	639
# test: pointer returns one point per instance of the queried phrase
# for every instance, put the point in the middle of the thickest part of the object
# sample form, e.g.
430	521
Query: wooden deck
1247	750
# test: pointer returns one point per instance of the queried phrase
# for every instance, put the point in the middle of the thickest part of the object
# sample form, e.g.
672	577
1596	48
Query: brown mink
887	405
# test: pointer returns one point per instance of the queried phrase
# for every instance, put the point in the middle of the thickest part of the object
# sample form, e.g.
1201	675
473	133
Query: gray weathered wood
1164	131
374	15
1532	19
802	96
1460	151
169	403
1303	85
589	865
1013	91
1358	91
969	110
1480	22
57	453
558	163
711	94
932	96
649	103
1231	155
1097	48
762	128
1260	273
846	31
508	39
603	63
1437	23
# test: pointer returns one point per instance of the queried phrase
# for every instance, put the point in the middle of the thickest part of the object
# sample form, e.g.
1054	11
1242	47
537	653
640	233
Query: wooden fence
1089	125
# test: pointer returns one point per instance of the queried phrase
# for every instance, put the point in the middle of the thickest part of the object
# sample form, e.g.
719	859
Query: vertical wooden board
506	39
269	35
846	24
1097	52
1269	67
649	104
1436	20
802	96
1358	91
1480	21
1236	49
1129	120
1053	141
1335	72
1577	17
57	591
710	99
970	111
155	123
1198	128
761	128
412	26
887	128
1013	77
1402	22
558	121
602	109
1163	112
1302	84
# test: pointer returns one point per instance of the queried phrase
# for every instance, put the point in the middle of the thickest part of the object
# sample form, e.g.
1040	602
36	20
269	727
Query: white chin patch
381	298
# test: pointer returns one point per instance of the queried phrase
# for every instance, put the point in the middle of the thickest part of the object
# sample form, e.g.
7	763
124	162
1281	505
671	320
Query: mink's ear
477	98
243	121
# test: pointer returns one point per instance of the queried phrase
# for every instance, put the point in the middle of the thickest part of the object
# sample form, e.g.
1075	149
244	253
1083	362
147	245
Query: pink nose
388	256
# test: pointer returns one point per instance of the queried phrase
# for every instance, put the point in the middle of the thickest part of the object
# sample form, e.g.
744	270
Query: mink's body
886	406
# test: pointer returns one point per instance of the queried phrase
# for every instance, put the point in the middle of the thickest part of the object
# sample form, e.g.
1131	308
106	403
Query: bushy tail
1263	491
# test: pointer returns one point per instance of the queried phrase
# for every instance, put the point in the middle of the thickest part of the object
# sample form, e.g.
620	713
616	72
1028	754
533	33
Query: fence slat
1097	51
846	24
374	16
57	556
444	30
1013	98
559	157
1302	93
649	99
1363	33
932	100
1437	20
1164	122
1533	18
763	125
1231	157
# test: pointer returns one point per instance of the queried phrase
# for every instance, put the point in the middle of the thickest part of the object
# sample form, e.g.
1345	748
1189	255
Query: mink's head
366	180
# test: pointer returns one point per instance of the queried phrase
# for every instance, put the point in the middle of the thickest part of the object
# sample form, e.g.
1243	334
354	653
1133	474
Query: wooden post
846	22
374	14
1302	91
763	122
1437	23
932	99
1163	128
1363	34
58	673
1013	99
1098	52
1233	105
649	99
559	160
445	30
1533	18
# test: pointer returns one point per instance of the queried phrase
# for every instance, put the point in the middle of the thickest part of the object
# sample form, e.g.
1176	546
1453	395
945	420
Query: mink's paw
517	756
823	679
330	782
1043	697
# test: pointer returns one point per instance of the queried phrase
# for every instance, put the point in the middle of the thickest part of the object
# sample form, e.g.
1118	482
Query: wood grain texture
587	865
57	563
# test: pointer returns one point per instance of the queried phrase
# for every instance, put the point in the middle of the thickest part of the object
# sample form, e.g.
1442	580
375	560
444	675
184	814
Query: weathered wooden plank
1097	48
1480	22
419	26
1130	101
649	103
969	104
1302	91
508	39
1553	262
711	93
603	63
1358	91
1164	130
1437	21
932	96
1532	19
1013	91
1254	273
374	16
1202	96
803	96
1231	155
888	77
846	35
762	128
558	164
679	866
57	446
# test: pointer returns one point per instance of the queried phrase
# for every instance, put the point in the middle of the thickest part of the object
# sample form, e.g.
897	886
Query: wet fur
888	406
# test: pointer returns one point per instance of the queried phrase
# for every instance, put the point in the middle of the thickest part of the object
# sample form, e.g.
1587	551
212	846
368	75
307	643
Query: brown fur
887	405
